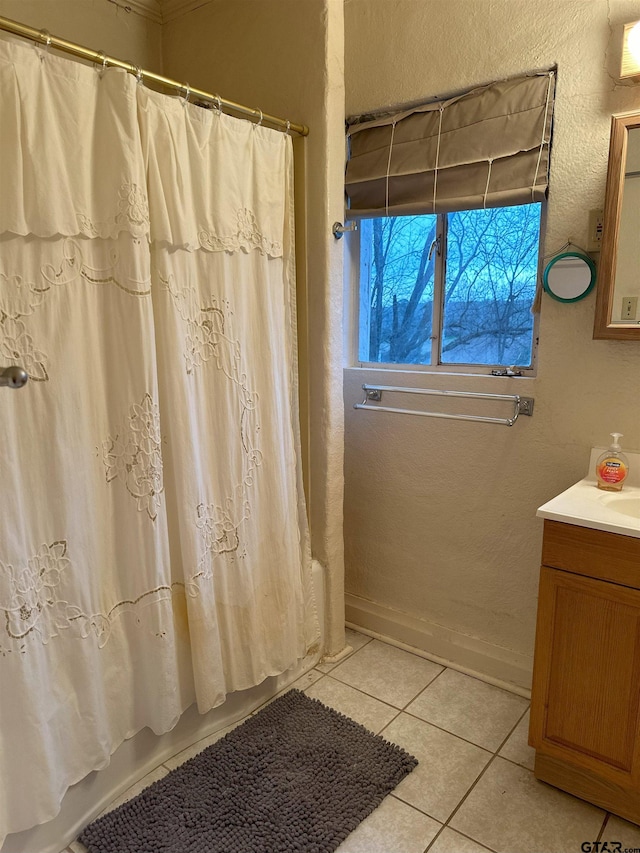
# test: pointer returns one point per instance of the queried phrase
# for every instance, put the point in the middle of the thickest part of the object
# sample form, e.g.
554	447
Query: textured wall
93	23
286	57
440	523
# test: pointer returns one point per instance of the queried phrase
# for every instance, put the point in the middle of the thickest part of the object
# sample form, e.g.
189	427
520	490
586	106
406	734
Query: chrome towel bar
373	393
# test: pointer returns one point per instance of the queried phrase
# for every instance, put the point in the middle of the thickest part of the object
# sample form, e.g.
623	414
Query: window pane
396	289
490	283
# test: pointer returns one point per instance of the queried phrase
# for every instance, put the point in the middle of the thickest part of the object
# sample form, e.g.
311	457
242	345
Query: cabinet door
586	686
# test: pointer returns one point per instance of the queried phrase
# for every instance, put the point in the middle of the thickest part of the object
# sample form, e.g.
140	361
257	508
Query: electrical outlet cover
596	227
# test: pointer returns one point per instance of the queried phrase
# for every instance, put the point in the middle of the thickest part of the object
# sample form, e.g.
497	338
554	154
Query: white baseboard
494	664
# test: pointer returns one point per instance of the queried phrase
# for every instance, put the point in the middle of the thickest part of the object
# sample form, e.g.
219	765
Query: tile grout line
444	825
413	698
466	740
489	763
507	687
464	798
519	720
606	820
411	806
458	832
447	731
404	711
480	775
375	698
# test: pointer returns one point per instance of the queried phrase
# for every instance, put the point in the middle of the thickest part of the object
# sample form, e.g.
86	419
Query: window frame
356	300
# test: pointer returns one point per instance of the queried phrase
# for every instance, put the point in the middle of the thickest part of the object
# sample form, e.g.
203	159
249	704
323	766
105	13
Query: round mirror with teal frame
569	276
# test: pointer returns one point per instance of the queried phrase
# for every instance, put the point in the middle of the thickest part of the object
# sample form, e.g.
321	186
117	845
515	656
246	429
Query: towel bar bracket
525	406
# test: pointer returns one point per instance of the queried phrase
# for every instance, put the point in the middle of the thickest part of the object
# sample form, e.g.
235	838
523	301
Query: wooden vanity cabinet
585	703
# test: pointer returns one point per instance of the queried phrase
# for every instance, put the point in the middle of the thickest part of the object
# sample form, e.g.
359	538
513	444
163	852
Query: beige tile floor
473	790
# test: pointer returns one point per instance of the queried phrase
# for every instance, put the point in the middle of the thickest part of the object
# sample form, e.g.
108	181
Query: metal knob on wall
13	377
339	229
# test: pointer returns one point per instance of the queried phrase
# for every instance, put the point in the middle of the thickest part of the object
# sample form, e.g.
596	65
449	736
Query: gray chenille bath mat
297	776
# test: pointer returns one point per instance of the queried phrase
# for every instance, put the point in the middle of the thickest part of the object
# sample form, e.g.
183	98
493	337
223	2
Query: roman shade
488	147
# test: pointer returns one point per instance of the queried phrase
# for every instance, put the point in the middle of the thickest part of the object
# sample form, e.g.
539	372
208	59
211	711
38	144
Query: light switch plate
629	308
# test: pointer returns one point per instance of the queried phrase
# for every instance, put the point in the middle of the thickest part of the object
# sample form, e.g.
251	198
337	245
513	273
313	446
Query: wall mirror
618	295
569	277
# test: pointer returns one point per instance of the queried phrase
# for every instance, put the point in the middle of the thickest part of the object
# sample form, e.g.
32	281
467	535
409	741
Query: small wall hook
339	229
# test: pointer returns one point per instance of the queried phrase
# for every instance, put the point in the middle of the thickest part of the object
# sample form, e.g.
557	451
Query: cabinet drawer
595	553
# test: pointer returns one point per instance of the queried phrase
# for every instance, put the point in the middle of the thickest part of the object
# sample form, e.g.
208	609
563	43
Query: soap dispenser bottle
612	466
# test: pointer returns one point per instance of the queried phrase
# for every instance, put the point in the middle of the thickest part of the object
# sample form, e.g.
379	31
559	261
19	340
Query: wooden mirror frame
603	327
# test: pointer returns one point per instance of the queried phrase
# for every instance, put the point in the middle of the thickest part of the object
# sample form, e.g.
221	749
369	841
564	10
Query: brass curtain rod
100	57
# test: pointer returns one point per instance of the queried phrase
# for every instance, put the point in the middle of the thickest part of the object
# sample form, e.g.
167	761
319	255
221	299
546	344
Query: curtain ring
288	127
137	70
103	57
261	117
187	92
45	35
219	102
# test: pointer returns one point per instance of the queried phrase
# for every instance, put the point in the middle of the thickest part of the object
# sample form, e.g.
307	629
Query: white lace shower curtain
153	541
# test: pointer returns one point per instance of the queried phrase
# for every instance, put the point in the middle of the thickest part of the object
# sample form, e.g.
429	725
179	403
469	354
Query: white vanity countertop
585	505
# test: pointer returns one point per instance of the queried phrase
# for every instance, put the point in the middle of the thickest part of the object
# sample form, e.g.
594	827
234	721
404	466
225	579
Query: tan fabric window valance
486	148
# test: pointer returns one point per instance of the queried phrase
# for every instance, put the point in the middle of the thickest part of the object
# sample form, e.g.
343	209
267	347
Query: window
450	196
450	289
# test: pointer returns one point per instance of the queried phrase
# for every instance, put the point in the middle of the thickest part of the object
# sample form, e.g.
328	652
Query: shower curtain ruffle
153	541
81	178
178	141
